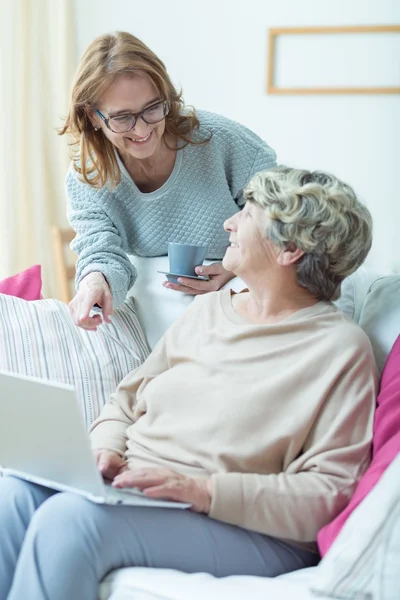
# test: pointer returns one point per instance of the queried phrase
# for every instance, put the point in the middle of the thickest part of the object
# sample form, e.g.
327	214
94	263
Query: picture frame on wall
333	60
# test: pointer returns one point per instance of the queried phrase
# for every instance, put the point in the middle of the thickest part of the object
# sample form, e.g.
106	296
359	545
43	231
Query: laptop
43	440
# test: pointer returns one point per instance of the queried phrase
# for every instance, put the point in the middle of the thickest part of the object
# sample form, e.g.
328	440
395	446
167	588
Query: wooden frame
65	272
273	33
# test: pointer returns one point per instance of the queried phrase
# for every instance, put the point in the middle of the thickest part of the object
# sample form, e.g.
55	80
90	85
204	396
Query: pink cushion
26	285
386	444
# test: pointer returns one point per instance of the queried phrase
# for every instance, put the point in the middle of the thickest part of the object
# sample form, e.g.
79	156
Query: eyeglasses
126	122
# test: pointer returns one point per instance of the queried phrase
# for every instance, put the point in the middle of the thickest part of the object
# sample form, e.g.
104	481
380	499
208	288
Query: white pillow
39	339
380	316
354	290
363	561
157	306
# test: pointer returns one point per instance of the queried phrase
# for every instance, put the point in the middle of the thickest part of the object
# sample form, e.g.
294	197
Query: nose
141	129
230	223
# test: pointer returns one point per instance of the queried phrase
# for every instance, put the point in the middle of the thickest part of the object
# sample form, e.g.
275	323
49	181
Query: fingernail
199	270
180	280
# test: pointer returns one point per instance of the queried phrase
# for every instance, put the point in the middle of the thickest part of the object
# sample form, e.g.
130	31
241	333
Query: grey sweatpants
59	546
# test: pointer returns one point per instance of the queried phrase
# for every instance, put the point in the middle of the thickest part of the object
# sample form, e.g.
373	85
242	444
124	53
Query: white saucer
173	277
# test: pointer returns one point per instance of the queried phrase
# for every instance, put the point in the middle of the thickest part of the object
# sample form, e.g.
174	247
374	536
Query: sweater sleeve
318	484
245	154
98	242
109	430
265	158
248	158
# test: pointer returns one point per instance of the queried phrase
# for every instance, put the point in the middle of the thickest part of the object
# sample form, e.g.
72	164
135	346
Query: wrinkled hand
93	289
109	463
218	277
164	483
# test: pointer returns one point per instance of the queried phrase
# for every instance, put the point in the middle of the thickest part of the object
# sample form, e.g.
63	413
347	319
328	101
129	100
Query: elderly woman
147	171
254	407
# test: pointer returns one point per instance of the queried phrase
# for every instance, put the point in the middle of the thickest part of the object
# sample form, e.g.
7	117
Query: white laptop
43	440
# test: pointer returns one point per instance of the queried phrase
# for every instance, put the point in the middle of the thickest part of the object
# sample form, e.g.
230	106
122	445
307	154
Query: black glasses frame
136	116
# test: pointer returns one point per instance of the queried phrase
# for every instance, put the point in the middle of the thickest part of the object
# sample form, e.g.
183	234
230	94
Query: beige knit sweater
279	416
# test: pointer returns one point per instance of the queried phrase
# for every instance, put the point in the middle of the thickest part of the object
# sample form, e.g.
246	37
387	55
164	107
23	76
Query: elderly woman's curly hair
320	215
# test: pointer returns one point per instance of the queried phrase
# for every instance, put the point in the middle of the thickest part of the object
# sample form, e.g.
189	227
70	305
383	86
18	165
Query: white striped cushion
39	339
363	562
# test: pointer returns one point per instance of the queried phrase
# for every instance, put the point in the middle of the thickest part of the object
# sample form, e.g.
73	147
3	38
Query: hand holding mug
217	278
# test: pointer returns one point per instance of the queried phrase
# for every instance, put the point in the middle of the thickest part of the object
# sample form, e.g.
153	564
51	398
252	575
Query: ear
289	255
93	118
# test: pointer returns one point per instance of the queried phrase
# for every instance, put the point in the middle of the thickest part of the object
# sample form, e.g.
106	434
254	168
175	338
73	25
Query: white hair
321	216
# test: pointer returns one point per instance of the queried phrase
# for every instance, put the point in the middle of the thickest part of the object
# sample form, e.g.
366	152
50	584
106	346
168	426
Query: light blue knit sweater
204	189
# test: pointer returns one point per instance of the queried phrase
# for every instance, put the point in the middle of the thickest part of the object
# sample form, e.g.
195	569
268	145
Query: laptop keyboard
115	493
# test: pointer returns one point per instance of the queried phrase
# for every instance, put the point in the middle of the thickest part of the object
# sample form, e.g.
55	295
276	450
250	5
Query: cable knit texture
204	189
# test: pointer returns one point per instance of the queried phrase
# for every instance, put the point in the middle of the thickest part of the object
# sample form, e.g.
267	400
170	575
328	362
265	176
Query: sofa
364	560
361	546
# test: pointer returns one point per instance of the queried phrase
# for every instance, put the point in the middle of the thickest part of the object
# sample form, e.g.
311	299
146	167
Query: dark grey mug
183	258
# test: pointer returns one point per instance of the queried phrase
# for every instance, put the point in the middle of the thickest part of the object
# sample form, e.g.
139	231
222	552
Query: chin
144	152
229	265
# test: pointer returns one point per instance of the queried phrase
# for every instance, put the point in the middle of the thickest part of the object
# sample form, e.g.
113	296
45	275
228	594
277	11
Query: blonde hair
108	57
320	215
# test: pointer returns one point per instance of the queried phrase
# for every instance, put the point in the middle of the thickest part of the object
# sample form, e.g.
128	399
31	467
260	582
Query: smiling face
250	251
131	94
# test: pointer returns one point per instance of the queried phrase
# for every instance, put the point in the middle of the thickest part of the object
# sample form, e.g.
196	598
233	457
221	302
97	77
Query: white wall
216	50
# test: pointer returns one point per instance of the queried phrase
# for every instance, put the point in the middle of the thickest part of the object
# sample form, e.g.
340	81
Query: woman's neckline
234	317
159	191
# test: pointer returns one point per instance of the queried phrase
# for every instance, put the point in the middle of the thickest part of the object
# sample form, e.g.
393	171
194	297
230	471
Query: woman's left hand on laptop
109	463
167	484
